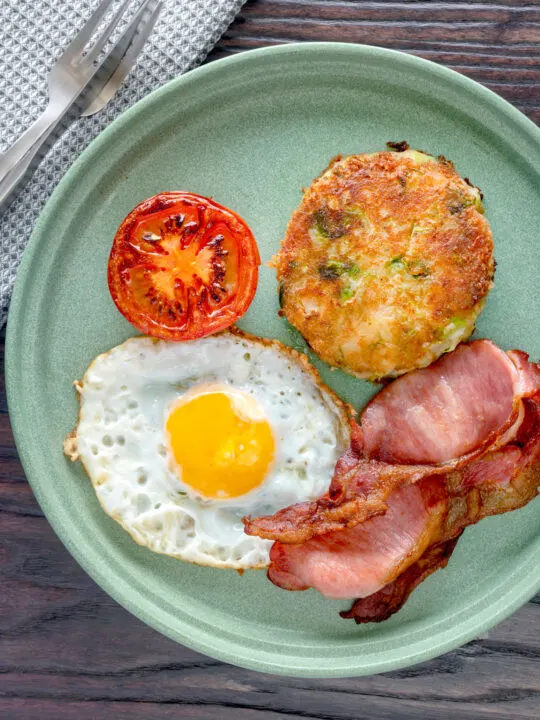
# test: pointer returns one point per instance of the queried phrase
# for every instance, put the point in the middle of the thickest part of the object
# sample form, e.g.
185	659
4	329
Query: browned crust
70	446
457	253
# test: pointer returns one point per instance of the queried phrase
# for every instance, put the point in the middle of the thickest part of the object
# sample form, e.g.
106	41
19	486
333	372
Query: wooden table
68	651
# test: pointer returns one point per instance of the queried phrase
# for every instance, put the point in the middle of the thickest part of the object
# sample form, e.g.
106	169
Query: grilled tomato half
182	266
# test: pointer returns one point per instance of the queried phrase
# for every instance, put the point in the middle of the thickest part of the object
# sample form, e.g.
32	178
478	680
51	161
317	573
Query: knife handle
15	162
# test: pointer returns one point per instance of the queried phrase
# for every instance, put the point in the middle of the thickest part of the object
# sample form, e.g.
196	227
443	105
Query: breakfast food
386	263
435	451
227	450
182	266
180	440
428	422
503	480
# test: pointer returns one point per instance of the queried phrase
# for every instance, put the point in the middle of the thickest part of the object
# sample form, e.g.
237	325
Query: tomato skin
182	266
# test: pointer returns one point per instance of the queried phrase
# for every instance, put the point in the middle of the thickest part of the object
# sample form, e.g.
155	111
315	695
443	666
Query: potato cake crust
387	262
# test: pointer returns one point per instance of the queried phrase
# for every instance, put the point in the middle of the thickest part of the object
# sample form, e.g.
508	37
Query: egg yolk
220	441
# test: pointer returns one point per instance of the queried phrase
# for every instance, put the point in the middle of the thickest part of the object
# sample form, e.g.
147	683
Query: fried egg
182	440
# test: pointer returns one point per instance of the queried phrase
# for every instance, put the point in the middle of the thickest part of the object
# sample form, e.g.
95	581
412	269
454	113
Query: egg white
125	397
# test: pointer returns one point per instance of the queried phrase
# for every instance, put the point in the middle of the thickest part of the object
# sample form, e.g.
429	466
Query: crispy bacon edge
468	503
391	598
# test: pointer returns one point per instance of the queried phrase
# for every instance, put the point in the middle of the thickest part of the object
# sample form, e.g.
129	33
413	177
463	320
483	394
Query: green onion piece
333	269
458	321
397	263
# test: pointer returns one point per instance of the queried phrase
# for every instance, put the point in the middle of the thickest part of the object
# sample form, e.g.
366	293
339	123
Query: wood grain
68	651
496	43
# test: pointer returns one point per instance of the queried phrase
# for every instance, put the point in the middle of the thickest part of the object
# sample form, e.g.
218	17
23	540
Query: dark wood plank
495	43
68	651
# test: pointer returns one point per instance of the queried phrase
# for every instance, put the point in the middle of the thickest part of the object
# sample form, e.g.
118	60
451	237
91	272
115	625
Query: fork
80	74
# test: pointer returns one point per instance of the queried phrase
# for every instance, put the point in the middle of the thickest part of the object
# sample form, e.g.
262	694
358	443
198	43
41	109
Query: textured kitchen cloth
33	34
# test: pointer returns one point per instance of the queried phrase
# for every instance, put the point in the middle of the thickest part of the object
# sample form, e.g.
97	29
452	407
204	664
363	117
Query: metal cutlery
122	63
83	78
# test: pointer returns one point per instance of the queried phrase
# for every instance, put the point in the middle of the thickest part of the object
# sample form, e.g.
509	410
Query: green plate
251	131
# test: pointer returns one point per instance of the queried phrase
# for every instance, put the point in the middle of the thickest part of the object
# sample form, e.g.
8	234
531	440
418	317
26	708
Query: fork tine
144	29
76	46
125	56
105	36
128	34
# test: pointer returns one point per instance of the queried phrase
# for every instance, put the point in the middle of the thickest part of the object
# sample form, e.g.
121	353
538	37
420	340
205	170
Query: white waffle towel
32	35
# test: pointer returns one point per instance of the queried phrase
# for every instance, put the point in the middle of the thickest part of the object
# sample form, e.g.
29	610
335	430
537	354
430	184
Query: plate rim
520	591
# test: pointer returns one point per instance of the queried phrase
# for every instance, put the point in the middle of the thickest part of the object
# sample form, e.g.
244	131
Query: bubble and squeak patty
387	262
